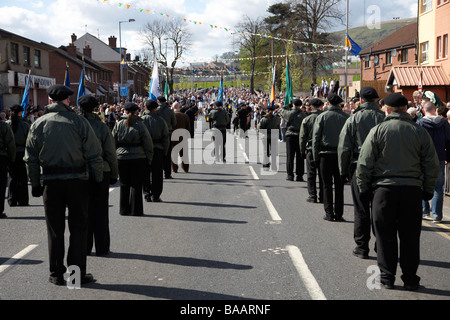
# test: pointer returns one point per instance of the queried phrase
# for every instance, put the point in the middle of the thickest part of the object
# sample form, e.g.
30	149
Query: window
37	58
445	46
426	5
14	53
404	55
424	52
439	48
367	62
389	58
26	56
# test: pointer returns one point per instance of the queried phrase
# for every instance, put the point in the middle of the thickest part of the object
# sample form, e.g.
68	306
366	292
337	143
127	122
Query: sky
54	21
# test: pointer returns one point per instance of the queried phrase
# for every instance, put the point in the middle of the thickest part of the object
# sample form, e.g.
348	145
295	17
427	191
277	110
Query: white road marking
17	257
111	190
253	172
305	274
272	211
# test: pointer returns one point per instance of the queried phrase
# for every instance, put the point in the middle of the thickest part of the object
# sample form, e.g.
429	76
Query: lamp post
120	61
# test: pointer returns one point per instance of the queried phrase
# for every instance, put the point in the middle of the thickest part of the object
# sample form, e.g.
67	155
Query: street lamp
120	51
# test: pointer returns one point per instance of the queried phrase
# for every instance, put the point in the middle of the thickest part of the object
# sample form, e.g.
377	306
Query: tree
158	34
249	43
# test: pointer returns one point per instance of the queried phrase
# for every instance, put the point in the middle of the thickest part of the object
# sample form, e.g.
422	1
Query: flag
220	97
166	90
82	84
66	77
154	83
421	81
26	94
289	94
352	45
123	64
272	92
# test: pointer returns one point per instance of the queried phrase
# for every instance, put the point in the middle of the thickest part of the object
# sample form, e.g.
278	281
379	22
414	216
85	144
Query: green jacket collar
58	107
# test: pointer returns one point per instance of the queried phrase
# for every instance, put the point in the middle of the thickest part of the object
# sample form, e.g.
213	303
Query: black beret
59	92
316	103
368	93
151	104
395	100
88	102
130	106
16	107
218	104
334	99
297	102
162	99
269	107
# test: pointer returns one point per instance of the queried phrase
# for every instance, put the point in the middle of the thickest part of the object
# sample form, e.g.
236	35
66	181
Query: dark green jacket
326	130
158	130
269	124
64	144
133	142
106	140
355	131
294	118
7	142
306	131
21	134
397	152
219	118
168	115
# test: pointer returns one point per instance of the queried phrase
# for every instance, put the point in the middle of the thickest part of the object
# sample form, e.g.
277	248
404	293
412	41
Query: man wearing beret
293	115
7	156
397	167
220	119
65	146
169	116
325	140
98	231
352	136
270	126
305	142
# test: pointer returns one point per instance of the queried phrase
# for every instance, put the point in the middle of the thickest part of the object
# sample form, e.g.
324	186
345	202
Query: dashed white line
18	256
272	211
253	172
305	274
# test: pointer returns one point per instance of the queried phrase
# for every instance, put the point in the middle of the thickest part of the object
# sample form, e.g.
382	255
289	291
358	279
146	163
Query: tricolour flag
289	93
26	93
352	45
272	91
154	83
82	84
166	90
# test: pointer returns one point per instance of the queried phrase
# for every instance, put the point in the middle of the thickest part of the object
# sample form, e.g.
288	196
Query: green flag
289	94
166	91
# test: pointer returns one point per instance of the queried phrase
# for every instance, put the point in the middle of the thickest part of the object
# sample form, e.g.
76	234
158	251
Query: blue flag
220	98
82	85
352	45
26	94
66	77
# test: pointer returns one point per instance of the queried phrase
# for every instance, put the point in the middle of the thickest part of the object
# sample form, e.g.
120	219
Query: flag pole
346	61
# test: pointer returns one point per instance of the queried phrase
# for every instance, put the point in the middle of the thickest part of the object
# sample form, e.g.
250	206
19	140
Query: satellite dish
376	59
394	52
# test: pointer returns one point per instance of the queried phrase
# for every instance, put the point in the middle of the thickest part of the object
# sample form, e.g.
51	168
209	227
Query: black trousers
18	186
167	162
154	175
397	211
361	209
329	170
73	194
131	173
313	174
98	229
293	155
3	181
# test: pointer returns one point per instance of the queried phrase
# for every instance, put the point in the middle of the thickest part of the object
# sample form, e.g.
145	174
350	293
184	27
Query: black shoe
387	285
325	217
3	215
339	219
87	278
266	165
156	199
290	179
360	255
57	280
169	177
411	287
311	199
299	178
102	253
148	199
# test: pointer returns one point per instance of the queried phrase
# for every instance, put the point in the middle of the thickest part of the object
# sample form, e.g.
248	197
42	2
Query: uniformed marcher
352	136
325	140
183	123
18	186
269	127
64	144
134	148
7	157
154	174
169	116
98	231
220	119
293	115
398	167
305	141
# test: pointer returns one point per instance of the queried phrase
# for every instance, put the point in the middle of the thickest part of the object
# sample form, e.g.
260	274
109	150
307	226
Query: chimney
74	37
72	49
128	56
87	51
112	42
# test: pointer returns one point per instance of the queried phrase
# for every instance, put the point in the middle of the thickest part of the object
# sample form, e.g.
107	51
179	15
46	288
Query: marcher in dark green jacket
7	156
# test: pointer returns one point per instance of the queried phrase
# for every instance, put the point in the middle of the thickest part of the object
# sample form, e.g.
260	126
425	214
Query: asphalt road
224	232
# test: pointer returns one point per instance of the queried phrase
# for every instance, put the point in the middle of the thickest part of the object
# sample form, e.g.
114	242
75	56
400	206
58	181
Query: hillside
365	37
